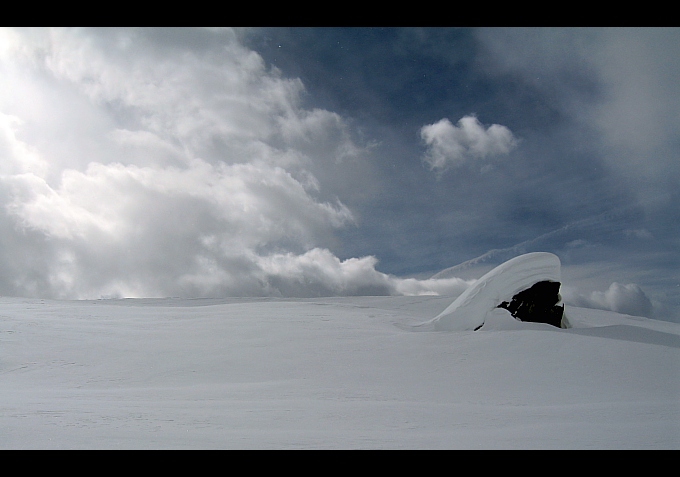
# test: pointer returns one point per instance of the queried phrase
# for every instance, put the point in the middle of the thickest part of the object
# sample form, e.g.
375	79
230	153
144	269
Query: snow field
328	373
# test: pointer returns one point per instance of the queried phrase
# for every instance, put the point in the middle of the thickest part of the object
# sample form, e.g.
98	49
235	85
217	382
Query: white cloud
134	166
449	145
433	286
17	156
319	272
629	299
150	215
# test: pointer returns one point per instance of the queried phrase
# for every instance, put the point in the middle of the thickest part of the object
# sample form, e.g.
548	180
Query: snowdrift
479	303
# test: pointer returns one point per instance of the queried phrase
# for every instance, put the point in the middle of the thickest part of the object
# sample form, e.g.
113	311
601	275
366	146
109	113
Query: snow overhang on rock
470	310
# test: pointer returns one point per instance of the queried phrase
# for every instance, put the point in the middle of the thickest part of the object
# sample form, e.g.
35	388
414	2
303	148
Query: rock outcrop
537	304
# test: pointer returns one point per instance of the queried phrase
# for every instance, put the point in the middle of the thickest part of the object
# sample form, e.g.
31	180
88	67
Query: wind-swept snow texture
470	310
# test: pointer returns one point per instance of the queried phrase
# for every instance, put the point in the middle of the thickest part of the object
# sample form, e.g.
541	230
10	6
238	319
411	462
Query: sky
339	161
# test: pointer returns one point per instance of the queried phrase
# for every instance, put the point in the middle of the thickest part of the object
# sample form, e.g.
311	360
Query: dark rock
537	304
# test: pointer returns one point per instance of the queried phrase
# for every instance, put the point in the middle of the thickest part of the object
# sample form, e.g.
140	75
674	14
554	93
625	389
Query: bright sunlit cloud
454	146
143	168
192	171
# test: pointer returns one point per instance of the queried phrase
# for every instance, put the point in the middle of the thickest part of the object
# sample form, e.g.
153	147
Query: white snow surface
479	302
329	373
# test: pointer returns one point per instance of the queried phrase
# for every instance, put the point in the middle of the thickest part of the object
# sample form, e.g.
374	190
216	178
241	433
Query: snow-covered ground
329	373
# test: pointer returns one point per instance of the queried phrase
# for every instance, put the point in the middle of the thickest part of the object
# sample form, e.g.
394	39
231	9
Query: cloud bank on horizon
289	162
629	299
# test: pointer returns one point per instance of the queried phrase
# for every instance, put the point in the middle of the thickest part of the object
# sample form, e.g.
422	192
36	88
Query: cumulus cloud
318	273
135	165
449	145
629	299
